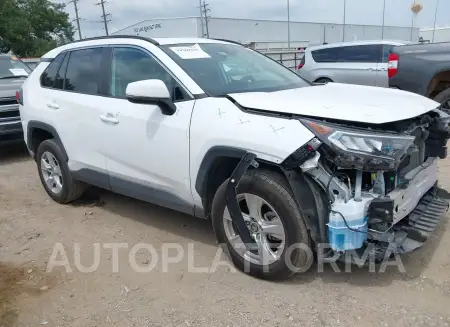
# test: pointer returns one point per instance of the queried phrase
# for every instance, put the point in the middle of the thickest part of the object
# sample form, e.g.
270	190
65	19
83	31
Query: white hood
348	102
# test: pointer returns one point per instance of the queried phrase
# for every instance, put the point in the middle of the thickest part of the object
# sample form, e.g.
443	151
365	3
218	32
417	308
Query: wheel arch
219	163
439	81
323	78
37	132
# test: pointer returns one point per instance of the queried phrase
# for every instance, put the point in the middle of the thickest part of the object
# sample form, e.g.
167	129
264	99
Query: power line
104	16
205	10
77	18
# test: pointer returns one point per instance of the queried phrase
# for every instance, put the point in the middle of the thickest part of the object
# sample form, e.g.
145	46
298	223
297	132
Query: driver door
148	152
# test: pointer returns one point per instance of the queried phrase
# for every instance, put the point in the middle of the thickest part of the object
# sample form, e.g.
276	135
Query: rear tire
55	174
444	99
271	188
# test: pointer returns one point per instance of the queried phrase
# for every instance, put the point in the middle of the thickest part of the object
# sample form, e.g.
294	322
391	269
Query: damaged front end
380	180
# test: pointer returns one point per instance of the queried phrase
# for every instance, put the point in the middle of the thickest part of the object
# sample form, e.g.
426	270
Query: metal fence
288	58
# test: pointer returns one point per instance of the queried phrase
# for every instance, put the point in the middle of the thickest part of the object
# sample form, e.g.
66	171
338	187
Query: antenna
104	16
77	18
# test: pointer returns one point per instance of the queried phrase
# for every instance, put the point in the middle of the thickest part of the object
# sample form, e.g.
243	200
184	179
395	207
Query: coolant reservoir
340	237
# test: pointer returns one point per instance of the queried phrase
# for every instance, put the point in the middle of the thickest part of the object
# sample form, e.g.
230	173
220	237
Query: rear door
382	73
358	64
74	102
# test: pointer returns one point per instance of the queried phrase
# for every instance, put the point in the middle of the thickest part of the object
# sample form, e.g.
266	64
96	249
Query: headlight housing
361	149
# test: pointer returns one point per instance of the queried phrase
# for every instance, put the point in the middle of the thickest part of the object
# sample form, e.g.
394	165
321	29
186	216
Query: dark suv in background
423	69
13	73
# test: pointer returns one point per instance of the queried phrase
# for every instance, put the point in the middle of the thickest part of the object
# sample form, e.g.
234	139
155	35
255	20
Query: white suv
219	131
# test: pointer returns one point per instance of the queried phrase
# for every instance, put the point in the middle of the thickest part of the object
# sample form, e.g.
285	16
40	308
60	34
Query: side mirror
151	91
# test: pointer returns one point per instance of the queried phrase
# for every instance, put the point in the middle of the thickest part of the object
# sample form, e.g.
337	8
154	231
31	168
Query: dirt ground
31	224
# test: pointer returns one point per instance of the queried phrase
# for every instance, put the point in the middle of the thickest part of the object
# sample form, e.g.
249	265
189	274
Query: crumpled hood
346	102
9	86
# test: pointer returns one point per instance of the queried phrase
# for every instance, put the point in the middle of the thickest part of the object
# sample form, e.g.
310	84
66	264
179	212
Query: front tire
444	99
55	174
274	221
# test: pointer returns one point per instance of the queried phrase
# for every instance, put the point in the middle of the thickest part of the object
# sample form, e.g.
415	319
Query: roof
365	42
125	39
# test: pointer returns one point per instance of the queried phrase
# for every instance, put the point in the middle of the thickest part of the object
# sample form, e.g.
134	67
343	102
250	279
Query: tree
29	28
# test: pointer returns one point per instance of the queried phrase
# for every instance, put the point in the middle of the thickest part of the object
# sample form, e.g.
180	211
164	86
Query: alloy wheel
51	172
265	227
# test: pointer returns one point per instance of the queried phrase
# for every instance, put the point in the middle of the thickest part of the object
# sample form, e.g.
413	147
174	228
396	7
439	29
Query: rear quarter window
48	77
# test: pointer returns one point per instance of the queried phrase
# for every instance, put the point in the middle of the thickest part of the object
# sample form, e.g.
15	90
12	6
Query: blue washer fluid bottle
340	237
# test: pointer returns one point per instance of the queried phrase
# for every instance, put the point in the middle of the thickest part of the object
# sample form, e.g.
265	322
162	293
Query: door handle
109	118
52	106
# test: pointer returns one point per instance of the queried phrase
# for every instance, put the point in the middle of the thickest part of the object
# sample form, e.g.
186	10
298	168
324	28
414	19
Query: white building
265	33
441	34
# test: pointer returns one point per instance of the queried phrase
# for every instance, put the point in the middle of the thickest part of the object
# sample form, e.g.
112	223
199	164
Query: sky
370	12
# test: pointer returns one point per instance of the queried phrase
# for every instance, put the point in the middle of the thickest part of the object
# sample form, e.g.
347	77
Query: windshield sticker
18	72
192	52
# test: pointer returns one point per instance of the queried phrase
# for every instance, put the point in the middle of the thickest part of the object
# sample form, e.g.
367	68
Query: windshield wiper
14	76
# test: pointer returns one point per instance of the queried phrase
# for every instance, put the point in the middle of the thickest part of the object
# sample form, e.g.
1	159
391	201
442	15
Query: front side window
84	74
220	69
12	67
49	75
130	65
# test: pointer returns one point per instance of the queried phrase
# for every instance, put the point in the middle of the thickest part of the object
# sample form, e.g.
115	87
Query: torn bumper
417	210
420	180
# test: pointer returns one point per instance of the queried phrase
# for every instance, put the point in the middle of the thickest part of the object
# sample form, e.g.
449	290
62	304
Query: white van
361	62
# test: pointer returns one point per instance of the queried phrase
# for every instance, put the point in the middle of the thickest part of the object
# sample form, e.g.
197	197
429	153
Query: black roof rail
137	37
229	41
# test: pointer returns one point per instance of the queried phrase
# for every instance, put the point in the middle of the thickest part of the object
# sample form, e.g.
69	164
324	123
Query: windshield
220	69
11	67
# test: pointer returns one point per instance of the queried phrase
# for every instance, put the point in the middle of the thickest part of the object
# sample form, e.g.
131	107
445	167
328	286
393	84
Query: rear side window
49	75
84	74
360	53
325	55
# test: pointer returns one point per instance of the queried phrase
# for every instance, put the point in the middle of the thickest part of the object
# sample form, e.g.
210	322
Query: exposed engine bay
381	180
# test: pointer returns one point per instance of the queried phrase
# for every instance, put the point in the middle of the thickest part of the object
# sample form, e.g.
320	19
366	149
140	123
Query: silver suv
362	62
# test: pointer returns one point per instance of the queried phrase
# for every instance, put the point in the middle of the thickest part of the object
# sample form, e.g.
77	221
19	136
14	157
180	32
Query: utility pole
104	16
201	17
289	25
205	13
382	24
343	28
77	18
435	17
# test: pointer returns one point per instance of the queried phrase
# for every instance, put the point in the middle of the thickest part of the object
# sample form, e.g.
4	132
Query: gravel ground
31	224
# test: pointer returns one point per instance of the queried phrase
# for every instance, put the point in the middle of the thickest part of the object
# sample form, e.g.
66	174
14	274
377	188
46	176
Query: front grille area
9	110
7	101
